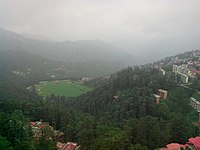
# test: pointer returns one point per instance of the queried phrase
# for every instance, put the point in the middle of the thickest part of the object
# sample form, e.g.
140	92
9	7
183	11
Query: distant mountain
36	37
88	51
35	68
19	69
28	66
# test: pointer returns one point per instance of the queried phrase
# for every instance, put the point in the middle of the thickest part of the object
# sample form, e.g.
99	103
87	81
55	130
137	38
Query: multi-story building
181	71
162	71
184	78
195	104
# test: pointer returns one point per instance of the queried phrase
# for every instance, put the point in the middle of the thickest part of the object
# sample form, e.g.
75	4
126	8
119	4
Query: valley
65	88
124	110
99	75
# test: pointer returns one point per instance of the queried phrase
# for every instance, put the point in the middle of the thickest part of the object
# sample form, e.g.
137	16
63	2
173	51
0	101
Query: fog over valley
148	30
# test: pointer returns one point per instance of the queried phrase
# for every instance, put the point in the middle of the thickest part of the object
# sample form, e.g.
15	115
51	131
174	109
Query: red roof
174	146
39	125
33	123
195	71
195	141
69	146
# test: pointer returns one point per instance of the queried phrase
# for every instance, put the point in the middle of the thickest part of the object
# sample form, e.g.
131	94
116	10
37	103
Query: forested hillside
125	106
120	113
79	58
99	75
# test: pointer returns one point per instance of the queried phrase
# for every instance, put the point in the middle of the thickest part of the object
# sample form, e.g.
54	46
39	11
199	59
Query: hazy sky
151	28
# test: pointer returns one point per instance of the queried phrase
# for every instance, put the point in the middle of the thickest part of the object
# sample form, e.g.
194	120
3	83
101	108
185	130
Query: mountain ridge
67	51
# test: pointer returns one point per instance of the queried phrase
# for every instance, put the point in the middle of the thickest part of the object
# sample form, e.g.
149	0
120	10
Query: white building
184	78
182	71
163	71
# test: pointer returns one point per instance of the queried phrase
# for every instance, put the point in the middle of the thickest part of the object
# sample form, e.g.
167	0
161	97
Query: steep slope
126	103
23	61
68	51
28	66
120	114
79	58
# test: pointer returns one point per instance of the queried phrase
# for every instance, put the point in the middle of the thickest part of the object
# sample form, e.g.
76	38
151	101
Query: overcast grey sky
152	28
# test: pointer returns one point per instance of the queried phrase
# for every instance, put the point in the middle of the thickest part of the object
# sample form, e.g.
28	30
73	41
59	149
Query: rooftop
161	90
193	143
67	146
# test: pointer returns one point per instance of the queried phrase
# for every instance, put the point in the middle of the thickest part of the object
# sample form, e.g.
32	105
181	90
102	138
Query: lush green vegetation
61	88
119	114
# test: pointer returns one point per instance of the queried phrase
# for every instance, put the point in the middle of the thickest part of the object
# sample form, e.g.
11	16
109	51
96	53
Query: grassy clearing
61	88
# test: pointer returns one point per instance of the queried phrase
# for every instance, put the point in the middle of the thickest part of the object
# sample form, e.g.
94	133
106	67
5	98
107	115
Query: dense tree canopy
120	113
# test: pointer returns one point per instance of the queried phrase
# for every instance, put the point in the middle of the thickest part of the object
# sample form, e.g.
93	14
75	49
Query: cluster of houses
58	136
188	68
192	144
185	72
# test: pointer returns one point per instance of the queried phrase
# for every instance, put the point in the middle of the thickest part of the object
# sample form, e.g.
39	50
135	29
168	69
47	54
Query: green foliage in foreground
4	144
16	134
61	88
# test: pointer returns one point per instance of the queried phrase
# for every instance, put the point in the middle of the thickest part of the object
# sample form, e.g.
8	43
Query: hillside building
67	146
37	130
181	72
195	104
58	136
162	71
158	97
180	69
163	93
184	78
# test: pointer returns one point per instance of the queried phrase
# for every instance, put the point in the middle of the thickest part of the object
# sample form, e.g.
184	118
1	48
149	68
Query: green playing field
61	88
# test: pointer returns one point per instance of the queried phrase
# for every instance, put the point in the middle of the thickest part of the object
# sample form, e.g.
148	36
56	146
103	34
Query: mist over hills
36	37
83	51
